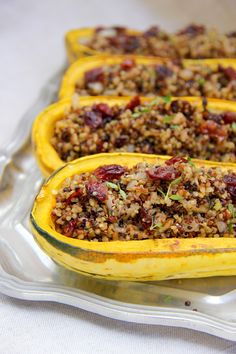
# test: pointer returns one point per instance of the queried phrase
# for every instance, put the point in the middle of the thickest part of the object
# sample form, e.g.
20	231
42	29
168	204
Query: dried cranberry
65	136
97	190
183	107
192	30
128	64
213	116
229	117
121	141
175	159
119	29
146	219
112	219
135	101
229	72
152	31
232	192
230	180
77	194
109	172
213	129
93	119
130	44
104	109
164	173
69	228
94	75
163	71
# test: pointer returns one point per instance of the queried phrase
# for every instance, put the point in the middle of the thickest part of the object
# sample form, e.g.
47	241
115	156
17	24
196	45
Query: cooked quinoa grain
174	200
194	41
157	127
171	77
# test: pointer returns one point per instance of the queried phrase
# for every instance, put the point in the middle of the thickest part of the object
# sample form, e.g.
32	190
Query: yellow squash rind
129	260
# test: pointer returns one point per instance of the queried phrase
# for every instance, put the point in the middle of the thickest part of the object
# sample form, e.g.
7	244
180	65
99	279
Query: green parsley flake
176	197
168	119
112	186
233	127
167	98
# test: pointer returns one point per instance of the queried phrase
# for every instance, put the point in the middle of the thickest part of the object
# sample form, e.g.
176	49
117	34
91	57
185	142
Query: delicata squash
188	126
192	42
139	217
121	75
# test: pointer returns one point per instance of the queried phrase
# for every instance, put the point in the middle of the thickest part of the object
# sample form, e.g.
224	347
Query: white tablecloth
31	41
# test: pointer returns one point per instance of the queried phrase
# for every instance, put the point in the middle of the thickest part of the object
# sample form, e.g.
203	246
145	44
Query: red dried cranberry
163	71
192	30
230	180
229	117
121	141
213	116
97	190
112	219
135	101
175	159
69	228
130	44
213	129
164	173
232	192
109	172
77	194
127	64
94	75
146	219
229	72
152	31
182	106
93	119
104	109
119	29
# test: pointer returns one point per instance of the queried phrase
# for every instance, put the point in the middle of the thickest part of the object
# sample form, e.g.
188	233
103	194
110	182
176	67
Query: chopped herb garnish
176	181
157	225
136	115
112	185
162	193
123	194
173	183
167	98
217	205
191	162
176	197
167	119
174	126
154	102
117	188
234	127
201	81
230	227
231	210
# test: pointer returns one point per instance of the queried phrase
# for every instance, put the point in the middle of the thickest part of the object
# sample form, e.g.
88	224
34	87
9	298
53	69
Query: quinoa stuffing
171	77
193	41
160	126
148	201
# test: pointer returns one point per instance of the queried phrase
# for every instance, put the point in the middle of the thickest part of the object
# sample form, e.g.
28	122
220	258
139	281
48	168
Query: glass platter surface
26	272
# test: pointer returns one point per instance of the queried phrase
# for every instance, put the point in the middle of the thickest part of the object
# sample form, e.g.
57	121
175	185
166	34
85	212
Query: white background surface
31	42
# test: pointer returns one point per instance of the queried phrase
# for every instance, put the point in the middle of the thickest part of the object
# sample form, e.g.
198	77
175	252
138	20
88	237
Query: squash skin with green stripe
128	260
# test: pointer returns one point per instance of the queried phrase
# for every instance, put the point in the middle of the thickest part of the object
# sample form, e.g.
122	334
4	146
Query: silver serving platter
26	272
